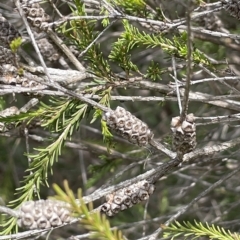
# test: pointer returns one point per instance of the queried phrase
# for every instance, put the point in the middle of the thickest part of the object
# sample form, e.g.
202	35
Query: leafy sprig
133	38
133	7
81	33
198	229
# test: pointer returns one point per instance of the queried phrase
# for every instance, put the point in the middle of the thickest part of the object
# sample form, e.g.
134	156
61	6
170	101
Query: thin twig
218	119
145	217
220	80
30	104
59	42
187	207
189	61
176	83
162	148
208	151
35	189
9	211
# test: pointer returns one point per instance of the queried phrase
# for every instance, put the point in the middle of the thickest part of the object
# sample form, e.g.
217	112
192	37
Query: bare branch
187	207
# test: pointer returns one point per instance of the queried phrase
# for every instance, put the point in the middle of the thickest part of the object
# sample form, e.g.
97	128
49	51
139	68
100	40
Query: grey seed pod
145	185
135	128
112	121
48	50
65	217
7	56
28	220
106	207
151	189
27	207
115	208
127	197
10	77
11	111
129	191
143	195
36	212
121	123
48	212
60	210
128	126
184	134
135	198
118	199
7	32
55	220
109	197
43	214
35	15
42	223
127	200
123	207
142	140
190	118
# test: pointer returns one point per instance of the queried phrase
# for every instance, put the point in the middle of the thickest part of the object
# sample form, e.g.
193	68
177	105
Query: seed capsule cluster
128	126
11	111
211	22
48	50
232	7
35	15
43	214
7	32
11	77
7	56
184	134
127	197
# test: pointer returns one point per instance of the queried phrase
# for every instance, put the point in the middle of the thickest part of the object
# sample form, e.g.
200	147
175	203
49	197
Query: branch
229	104
189	62
9	211
159	146
184	209
206	151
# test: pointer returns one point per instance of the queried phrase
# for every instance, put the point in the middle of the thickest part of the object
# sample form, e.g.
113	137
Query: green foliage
188	230
107	136
26	118
63	117
15	44
154	71
105	100
81	34
2	103
133	38
133	7
96	223
120	55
